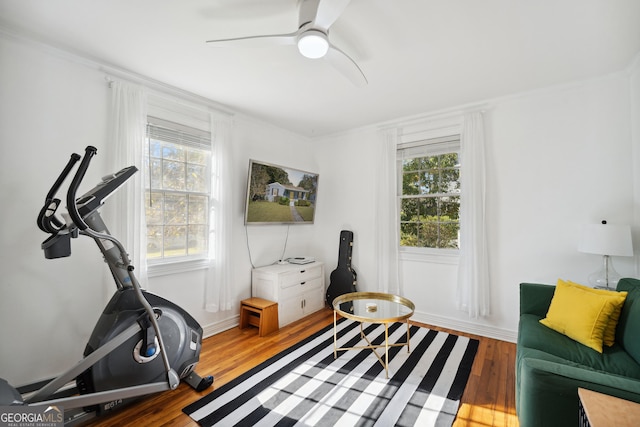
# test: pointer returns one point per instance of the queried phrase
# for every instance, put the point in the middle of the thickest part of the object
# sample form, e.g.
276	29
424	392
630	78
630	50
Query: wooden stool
261	313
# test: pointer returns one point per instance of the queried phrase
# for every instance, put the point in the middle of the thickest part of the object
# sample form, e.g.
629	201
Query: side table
260	313
373	307
602	410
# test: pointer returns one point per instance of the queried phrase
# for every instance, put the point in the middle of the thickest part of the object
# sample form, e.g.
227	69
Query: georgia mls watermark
31	416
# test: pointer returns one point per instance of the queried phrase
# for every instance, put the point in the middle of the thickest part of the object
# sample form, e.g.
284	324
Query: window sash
166	131
426	148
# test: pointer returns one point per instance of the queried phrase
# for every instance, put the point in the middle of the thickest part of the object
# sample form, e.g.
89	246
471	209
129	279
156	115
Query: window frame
425	148
188	137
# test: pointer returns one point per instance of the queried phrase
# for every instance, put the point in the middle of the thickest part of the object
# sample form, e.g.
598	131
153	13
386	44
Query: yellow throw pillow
617	299
580	314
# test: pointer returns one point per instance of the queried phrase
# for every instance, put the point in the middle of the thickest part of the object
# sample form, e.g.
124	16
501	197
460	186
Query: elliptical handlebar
47	213
63	175
72	207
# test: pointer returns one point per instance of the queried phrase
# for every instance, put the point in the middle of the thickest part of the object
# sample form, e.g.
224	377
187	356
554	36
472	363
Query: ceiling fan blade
257	41
346	66
329	11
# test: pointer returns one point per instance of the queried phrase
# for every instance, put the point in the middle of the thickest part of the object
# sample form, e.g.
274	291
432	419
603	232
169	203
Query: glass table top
373	307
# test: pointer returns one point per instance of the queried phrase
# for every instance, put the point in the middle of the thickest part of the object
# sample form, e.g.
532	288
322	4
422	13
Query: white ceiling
418	55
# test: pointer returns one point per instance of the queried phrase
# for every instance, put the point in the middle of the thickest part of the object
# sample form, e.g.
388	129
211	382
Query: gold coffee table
373	307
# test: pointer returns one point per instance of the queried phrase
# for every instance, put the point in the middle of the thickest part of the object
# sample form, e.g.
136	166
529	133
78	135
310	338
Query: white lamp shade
606	239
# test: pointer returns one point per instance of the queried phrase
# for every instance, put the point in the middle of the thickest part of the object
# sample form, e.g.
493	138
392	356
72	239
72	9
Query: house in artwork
293	193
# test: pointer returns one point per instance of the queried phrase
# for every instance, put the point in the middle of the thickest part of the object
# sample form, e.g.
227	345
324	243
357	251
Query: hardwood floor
488	400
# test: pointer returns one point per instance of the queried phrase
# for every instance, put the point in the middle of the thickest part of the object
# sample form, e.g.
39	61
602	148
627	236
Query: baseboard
220	326
468	327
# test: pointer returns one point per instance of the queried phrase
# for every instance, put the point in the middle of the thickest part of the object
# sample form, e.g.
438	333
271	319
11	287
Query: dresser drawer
299	288
300	275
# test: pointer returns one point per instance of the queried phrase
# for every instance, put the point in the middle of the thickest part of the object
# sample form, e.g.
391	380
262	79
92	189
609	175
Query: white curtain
386	214
473	292
218	294
127	127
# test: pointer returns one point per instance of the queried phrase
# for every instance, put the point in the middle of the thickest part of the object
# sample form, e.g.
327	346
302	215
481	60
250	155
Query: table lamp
606	240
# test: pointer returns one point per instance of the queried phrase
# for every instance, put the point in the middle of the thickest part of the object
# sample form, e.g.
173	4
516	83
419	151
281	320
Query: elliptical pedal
199	383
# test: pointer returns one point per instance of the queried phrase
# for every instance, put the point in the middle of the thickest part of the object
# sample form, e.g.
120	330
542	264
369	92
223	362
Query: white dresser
298	289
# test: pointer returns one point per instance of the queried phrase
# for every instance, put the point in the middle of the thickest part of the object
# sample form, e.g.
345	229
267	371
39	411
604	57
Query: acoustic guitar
343	278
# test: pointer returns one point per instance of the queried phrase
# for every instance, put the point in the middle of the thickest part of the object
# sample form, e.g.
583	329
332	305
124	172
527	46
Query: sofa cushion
581	314
535	298
535	336
628	330
609	336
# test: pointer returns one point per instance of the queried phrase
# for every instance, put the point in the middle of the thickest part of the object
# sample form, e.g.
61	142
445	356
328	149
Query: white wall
53	104
49	108
634	71
346	201
557	159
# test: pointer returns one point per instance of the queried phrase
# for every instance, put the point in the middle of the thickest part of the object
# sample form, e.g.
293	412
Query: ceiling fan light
313	44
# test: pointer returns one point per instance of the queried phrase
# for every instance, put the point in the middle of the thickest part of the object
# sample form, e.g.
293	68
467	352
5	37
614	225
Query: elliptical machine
141	344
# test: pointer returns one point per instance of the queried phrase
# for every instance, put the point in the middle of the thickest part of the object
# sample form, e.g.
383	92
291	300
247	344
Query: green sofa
550	366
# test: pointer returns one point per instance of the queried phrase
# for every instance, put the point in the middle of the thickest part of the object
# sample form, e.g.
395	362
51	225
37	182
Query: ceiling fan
315	17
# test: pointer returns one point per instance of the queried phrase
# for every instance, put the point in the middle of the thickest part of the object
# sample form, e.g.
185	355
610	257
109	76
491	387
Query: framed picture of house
280	195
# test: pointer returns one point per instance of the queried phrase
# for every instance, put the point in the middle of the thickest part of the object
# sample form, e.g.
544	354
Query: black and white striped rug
305	386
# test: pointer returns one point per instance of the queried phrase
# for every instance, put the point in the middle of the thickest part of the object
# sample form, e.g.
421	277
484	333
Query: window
429	193
177	191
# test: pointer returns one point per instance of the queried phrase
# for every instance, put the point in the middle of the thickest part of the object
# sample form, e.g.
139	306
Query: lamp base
605	278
